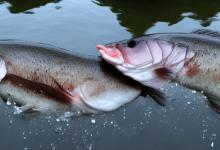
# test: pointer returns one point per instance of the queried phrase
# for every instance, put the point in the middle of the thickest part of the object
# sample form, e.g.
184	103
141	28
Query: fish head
148	61
132	53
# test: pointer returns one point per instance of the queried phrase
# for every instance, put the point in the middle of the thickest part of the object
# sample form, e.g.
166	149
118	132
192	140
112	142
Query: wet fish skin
203	71
64	71
200	71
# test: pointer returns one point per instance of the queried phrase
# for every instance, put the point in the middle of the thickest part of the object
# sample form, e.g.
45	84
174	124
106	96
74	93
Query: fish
190	59
48	79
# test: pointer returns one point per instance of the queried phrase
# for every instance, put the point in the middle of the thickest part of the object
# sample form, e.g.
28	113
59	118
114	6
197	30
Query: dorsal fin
207	32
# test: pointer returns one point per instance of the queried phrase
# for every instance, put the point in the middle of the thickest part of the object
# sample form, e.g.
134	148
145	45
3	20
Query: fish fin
215	105
164	73
28	110
207	32
3	70
102	99
214	102
156	95
41	88
60	88
25	108
30	113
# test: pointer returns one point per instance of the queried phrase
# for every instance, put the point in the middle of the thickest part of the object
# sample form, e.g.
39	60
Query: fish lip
126	63
111	54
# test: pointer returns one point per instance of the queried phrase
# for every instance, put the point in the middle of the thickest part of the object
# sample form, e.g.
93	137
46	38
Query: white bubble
212	144
10	121
8	103
193	91
93	120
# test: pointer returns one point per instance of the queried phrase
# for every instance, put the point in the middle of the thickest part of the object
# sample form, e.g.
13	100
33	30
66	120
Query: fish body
45	78
192	59
202	71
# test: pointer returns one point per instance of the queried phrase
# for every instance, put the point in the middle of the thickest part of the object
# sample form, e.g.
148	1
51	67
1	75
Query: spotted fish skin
202	72
35	71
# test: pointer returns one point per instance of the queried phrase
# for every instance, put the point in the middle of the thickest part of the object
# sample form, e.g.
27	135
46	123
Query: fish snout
111	54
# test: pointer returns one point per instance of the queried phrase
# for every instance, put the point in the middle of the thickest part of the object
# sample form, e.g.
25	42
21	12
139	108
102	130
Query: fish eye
131	43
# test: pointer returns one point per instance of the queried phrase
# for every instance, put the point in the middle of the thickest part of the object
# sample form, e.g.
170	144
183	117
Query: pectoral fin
214	102
28	109
164	73
155	94
59	95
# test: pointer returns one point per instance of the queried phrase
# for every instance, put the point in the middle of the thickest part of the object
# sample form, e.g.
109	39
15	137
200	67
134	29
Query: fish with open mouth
45	78
191	59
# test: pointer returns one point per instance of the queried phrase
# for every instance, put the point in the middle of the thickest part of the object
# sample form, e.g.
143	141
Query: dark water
186	123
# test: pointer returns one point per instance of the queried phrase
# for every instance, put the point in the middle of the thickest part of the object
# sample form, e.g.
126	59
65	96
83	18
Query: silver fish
192	59
45	78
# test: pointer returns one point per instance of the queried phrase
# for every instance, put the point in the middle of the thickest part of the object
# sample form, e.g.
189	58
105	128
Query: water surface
185	123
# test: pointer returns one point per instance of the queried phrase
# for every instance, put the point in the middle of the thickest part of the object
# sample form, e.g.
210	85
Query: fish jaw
3	70
151	62
113	56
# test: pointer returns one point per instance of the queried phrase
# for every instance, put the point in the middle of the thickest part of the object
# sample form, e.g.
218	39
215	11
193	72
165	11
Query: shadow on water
18	6
138	16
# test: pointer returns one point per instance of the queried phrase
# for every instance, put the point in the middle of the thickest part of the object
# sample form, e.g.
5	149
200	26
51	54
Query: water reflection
138	16
17	6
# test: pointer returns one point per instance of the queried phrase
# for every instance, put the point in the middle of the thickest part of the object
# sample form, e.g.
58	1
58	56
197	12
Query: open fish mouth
111	54
146	54
118	55
142	54
147	61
